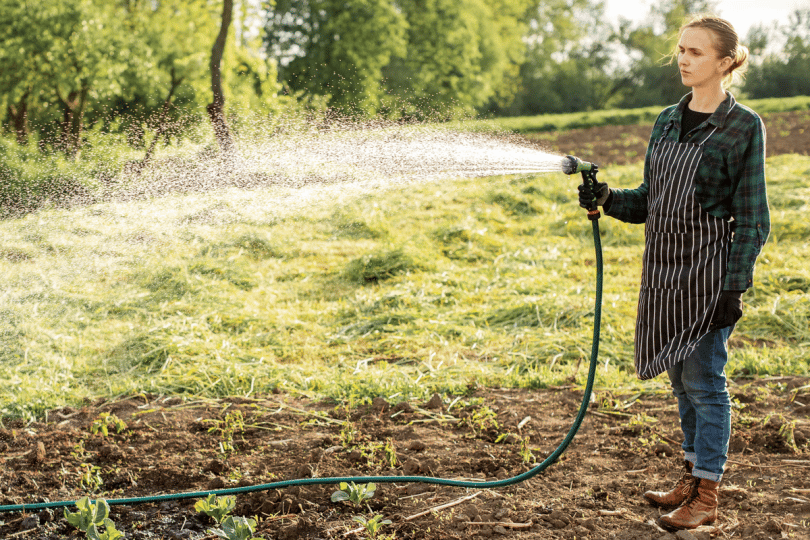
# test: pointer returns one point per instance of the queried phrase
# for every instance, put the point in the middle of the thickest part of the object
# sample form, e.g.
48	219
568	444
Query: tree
59	52
336	49
216	109
567	60
403	58
22	57
86	39
461	54
786	73
647	81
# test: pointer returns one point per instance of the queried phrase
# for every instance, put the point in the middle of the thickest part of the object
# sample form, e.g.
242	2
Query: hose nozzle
573	165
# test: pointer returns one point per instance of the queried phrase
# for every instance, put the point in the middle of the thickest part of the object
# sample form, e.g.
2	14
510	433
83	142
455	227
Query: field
440	329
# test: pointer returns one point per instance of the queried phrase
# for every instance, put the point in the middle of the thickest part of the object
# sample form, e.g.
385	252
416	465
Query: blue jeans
699	383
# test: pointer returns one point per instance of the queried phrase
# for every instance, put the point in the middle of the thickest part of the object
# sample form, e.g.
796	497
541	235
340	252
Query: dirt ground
787	133
626	445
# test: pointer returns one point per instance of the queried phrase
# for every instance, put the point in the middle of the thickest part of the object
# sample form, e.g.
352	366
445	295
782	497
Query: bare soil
787	133
626	445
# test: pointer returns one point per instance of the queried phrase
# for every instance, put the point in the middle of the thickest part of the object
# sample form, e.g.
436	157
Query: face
699	61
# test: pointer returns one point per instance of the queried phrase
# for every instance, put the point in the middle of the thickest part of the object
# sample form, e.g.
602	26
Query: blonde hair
726	43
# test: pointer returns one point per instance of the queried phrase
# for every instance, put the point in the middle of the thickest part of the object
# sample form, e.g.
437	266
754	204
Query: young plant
373	525
104	421
91	477
91	516
234	423
390	452
216	507
481	420
235	528
348	435
354	493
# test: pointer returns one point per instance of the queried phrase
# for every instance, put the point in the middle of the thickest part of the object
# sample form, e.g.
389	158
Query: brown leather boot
699	509
677	495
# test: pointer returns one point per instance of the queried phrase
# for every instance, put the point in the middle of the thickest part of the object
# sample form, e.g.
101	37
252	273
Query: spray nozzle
573	165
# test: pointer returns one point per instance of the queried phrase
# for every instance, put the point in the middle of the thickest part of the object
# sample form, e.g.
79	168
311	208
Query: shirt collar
718	118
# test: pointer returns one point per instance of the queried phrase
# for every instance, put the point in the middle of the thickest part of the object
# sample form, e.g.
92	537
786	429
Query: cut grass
436	287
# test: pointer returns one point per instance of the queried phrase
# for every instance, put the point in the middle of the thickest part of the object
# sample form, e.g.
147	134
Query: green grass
434	287
624	117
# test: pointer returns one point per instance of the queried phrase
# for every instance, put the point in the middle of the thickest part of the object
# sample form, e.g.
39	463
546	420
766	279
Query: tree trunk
19	118
162	124
216	107
73	120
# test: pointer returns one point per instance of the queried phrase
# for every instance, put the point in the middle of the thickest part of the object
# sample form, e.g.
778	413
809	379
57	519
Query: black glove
728	310
586	195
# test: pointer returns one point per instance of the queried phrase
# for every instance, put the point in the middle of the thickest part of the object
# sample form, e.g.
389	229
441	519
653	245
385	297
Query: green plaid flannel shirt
729	184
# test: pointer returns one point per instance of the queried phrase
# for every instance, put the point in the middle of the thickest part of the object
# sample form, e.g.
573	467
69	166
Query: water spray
570	165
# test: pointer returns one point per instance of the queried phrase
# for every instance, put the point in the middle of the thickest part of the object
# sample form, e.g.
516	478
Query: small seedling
235	528
79	451
373	525
481	420
91	477
390	452
233	423
348	435
91	516
104	421
216	507
354	493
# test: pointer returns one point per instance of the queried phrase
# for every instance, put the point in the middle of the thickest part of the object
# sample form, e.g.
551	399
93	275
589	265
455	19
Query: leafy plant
110	532
92	515
89	513
354	493
216	507
104	421
235	528
373	525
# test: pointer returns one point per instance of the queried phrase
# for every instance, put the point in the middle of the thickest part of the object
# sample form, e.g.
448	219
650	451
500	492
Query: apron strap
669	126
706	138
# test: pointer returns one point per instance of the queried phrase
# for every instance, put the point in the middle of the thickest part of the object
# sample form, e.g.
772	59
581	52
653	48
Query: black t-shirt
691	119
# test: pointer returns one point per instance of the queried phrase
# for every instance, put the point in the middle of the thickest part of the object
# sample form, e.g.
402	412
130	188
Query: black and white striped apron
684	263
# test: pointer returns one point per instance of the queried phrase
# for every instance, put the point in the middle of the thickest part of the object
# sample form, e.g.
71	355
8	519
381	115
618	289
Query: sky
741	13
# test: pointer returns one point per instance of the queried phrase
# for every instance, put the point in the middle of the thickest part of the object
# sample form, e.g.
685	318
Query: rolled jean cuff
691	457
714	477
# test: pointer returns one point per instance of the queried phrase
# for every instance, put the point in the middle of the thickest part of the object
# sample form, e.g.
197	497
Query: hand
586	196
728	310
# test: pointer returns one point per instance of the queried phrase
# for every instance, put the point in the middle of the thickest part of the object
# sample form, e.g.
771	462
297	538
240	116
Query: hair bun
740	56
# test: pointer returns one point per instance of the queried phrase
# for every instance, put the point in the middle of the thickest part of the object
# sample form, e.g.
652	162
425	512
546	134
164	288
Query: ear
725	64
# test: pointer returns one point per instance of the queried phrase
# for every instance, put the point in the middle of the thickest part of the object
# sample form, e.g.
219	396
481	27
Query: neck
707	99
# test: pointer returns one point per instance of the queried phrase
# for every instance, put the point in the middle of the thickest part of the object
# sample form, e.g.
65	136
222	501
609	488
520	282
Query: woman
705	209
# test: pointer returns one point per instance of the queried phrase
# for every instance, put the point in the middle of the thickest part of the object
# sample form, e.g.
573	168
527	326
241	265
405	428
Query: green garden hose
391	479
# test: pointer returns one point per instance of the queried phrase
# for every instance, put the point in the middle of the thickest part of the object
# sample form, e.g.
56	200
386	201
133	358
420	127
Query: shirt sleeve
630	205
749	209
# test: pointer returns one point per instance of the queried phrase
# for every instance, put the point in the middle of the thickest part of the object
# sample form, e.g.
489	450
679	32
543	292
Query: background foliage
140	67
